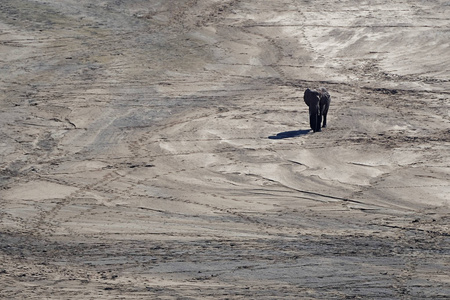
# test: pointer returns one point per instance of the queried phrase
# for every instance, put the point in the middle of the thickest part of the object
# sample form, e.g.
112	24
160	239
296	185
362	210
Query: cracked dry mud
160	150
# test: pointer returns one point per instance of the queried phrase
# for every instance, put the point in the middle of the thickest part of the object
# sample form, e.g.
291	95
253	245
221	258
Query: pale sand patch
38	191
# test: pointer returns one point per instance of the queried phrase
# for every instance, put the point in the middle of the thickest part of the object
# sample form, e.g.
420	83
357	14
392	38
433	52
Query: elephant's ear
311	97
307	96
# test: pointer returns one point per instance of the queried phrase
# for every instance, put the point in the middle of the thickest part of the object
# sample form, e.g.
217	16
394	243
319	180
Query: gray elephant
318	102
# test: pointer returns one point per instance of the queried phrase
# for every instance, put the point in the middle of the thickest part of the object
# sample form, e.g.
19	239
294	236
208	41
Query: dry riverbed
161	149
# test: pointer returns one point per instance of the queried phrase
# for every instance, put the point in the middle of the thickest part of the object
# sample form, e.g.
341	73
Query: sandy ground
160	149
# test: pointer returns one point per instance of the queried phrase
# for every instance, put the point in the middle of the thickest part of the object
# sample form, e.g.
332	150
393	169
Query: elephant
318	102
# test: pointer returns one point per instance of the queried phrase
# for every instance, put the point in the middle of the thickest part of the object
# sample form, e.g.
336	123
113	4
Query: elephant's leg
319	123
324	105
313	121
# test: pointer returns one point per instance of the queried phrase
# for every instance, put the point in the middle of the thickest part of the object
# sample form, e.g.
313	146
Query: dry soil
160	149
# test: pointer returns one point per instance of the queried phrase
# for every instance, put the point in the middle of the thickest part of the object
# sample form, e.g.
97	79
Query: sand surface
161	149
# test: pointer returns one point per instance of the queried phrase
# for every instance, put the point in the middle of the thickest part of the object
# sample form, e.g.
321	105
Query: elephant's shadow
289	134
